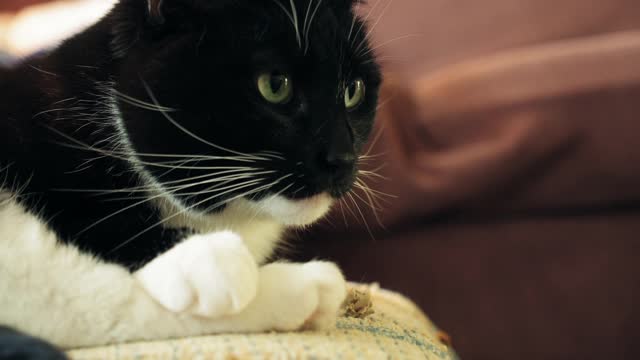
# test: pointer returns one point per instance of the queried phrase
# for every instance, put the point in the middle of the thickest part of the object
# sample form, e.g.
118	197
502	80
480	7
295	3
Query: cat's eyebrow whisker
364	21
366	37
374	48
191	207
306	17
308	29
353	22
293	17
294	11
194	136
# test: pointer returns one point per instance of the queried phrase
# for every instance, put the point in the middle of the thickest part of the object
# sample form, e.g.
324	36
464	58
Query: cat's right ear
155	12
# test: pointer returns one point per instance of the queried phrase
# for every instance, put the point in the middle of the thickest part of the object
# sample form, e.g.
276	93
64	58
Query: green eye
354	94
274	87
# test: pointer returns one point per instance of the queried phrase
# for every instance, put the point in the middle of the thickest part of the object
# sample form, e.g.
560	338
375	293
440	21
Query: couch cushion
396	329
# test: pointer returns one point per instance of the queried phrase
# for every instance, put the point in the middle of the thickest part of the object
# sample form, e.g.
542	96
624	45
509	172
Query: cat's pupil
277	82
351	90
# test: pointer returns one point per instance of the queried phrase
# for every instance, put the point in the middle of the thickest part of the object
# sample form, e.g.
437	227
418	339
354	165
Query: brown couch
512	140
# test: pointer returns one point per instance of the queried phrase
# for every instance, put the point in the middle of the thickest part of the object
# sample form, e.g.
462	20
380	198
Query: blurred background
505	170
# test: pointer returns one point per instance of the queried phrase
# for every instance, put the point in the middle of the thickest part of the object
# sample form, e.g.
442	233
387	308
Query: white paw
209	275
301	296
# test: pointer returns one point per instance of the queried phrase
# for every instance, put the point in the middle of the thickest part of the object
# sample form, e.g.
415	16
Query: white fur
71	299
295	212
209	275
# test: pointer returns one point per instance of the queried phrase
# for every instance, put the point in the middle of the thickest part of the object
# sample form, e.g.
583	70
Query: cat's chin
299	212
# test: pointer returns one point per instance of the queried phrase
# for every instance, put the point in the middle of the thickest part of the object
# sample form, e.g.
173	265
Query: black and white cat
152	163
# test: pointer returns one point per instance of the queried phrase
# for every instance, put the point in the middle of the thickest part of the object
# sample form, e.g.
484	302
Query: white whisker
306	34
194	136
178	213
366	37
293	18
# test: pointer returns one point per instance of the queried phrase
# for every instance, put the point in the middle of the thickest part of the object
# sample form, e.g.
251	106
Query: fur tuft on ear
154	12
159	11
130	18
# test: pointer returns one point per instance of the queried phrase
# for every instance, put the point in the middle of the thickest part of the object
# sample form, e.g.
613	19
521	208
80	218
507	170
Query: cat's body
151	164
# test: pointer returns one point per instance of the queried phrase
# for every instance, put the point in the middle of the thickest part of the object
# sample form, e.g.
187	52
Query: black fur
201	58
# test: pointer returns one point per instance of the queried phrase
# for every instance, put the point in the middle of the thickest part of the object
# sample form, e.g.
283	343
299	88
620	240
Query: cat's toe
302	296
332	291
208	275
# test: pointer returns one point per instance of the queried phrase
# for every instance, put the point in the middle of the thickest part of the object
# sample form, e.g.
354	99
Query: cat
151	164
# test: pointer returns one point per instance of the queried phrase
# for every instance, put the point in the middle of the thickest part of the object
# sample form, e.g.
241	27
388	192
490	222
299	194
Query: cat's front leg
209	275
215	276
295	296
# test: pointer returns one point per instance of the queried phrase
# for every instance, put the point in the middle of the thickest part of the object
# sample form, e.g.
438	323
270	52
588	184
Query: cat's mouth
295	212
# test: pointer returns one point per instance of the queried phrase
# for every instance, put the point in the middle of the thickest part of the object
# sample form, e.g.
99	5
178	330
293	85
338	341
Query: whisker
306	17
353	22
147	188
294	11
196	137
364	21
83	146
148	199
366	37
168	218
306	35
174	189
141	104
364	219
254	191
292	18
344	216
374	48
371	202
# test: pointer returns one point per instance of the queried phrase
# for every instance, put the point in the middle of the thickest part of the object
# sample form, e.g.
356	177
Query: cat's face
269	101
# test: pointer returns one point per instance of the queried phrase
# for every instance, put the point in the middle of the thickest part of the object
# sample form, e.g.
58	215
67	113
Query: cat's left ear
160	11
131	18
155	12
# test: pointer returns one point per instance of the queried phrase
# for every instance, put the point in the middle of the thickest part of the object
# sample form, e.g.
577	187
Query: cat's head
269	102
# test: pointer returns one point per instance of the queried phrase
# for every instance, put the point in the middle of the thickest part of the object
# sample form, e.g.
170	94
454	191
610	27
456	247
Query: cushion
396	328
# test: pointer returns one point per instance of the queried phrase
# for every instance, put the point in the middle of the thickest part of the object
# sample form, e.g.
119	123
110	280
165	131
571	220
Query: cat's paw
209	275
304	296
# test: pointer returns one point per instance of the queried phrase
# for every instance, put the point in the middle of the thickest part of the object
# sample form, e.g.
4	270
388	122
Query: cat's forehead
327	31
301	20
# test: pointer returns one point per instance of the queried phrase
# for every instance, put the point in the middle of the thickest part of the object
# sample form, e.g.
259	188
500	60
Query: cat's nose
337	163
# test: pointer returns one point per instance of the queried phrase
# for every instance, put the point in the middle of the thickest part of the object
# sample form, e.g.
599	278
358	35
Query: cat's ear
159	11
131	19
155	12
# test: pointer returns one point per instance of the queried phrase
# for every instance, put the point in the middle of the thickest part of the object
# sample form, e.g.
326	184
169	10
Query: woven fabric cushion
396	329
